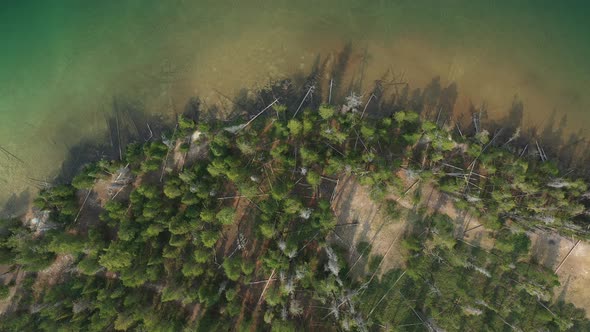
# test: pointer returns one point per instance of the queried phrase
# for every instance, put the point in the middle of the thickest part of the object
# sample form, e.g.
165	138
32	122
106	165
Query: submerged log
11	155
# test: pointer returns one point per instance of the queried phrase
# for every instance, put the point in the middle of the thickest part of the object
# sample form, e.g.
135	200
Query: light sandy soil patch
361	219
547	248
574	272
467	227
17	276
354	205
53	274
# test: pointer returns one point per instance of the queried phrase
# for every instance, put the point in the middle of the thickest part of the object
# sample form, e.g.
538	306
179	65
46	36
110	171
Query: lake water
62	63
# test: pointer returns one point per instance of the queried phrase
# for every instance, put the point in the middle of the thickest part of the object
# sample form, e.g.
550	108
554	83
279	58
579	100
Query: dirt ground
361	219
574	273
17	277
53	274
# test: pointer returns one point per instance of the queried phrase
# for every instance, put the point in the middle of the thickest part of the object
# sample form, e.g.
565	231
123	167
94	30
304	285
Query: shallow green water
63	62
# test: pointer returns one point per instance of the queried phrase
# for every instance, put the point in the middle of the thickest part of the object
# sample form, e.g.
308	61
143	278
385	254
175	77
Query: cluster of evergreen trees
163	257
458	287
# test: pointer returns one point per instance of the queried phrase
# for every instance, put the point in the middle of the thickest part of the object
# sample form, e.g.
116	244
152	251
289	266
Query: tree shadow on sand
128	122
16	205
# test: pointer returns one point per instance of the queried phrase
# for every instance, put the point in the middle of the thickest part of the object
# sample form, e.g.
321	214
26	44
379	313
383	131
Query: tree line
161	256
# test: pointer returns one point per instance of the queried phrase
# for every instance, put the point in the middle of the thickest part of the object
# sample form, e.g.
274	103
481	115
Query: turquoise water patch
62	63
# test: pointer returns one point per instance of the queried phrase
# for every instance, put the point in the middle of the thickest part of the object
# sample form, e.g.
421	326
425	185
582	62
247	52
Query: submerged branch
8	153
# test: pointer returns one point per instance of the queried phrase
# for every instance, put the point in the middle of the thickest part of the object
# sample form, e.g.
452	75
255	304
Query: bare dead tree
566	256
384	295
304	98
266	286
83	204
257	115
330	96
167	154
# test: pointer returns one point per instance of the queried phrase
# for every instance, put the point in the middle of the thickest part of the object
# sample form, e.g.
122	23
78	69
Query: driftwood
438	115
566	256
151	132
334	192
167	154
358	137
240	196
330	96
523	151
348	224
384	295
474	162
257	115
366	105
410	188
118	191
333	148
472	228
430	328
266	286
381	262
83	204
261	281
304	98
476	121
118	135
459	129
308	242
11	155
541	152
